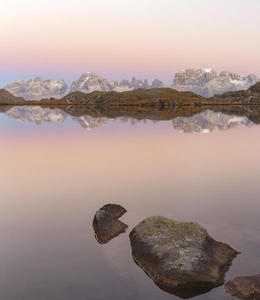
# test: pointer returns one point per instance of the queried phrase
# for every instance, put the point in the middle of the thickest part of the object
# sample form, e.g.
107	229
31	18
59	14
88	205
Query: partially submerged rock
106	224
181	258
113	210
244	287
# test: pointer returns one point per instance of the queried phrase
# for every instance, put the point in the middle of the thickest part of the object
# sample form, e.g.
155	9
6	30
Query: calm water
58	170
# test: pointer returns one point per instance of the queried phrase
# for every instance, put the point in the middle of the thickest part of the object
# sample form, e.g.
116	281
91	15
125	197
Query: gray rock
38	88
106	224
244	287
89	82
207	83
157	84
137	84
126	85
181	258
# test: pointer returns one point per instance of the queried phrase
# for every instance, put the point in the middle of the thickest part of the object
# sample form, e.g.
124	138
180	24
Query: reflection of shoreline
184	119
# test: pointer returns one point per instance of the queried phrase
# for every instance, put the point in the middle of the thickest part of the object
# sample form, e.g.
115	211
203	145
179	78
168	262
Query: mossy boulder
244	287
106	224
180	257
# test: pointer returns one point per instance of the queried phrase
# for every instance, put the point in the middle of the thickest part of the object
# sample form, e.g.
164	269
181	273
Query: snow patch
207	70
238	82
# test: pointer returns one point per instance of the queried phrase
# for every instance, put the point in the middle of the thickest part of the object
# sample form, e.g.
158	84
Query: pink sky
120	39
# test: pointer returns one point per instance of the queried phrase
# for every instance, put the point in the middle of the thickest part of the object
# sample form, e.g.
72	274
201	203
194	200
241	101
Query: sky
118	39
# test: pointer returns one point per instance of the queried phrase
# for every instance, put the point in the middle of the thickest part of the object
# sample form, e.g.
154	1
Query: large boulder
244	287
181	258
106	224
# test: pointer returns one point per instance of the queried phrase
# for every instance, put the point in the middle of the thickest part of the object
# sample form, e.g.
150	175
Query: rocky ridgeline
204	82
207	83
37	88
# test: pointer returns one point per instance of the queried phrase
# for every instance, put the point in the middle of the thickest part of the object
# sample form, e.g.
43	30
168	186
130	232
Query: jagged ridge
204	82
163	97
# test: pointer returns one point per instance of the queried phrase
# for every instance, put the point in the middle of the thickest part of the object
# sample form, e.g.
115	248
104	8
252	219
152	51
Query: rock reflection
188	292
183	293
106	224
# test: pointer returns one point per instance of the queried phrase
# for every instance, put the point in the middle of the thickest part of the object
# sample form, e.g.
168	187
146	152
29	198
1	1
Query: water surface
58	169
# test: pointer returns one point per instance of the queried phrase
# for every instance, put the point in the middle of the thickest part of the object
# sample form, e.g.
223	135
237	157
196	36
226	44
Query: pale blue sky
154	38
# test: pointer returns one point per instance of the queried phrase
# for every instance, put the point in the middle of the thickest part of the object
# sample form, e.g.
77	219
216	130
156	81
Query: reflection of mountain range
207	121
89	122
204	82
201	122
39	115
36	114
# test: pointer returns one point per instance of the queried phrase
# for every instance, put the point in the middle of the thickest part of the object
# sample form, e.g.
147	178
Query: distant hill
7	98
255	88
151	97
250	95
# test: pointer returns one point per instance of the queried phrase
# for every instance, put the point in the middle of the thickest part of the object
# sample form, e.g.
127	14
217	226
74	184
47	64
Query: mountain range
204	82
207	83
155	97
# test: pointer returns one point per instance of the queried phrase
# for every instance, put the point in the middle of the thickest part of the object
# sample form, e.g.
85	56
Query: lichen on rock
180	257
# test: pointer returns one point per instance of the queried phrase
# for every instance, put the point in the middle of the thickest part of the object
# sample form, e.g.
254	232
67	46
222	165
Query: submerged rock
106	224
181	258
244	287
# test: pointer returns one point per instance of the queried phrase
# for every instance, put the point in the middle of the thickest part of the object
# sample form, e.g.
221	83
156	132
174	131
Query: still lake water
57	171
